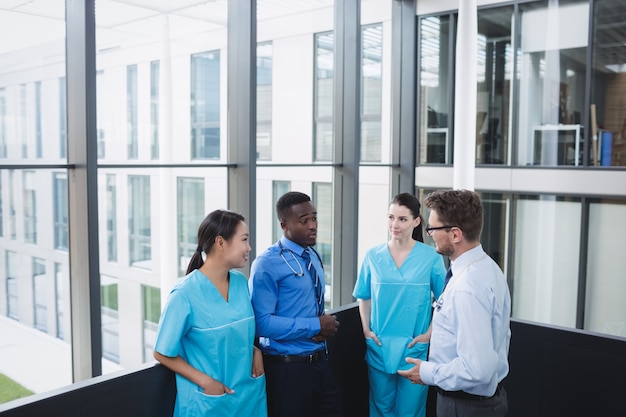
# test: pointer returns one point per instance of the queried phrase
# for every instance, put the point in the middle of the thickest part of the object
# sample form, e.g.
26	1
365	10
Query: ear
219	241
418	220
457	235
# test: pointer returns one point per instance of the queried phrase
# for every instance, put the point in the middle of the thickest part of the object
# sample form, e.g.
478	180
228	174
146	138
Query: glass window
111	212
434	95
551	71
12	288
30	208
323	199
61	229
102	114
12	207
371	93
608	84
131	111
2	201
3	123
110	318
205	105
191	212
545	259
62	118
605	310
37	129
324	96
278	188
154	109
151	315
60	286
495	227
494	73
140	247
264	92
40	294
22	127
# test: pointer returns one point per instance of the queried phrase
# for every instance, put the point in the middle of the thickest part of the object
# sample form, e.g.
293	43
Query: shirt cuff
427	369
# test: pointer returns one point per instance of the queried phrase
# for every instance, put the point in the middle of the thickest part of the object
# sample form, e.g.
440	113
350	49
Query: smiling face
401	222
300	225
237	248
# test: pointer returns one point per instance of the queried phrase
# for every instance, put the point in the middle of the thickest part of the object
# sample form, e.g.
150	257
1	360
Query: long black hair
217	223
412	203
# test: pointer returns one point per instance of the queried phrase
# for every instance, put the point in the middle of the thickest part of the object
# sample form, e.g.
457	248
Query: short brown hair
460	208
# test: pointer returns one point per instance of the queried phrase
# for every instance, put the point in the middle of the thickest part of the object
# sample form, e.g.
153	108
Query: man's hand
413	374
328	326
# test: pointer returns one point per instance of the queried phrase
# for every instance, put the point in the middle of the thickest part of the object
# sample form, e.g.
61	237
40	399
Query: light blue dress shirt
471	331
282	291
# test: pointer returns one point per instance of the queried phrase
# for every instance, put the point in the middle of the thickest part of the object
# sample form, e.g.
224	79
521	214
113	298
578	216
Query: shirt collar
466	258
292	246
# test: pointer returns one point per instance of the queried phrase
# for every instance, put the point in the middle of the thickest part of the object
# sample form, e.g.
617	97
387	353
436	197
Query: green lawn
11	390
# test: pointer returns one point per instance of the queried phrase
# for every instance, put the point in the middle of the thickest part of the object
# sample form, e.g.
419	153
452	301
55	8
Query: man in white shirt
470	337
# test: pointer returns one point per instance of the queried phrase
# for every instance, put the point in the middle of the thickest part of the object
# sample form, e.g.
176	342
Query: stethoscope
283	249
318	288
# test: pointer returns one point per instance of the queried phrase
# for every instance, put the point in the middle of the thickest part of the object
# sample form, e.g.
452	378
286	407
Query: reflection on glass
609	84
552	69
110	318
494	73
546	252
434	95
139	228
605	310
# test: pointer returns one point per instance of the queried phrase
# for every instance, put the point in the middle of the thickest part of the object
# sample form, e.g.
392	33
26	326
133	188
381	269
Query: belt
462	395
320	355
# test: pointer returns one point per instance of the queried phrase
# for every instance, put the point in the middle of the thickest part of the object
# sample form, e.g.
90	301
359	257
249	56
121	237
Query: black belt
320	355
462	395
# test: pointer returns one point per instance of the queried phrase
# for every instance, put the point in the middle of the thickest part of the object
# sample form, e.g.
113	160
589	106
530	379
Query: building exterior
123	123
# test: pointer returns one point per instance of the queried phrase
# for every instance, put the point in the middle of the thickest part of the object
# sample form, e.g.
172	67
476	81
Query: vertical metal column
403	96
242	112
83	190
346	148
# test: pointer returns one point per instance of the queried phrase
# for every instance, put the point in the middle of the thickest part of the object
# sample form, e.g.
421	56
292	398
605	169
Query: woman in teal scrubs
206	331
397	284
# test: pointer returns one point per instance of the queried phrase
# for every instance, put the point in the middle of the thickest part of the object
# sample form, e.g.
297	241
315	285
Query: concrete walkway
35	359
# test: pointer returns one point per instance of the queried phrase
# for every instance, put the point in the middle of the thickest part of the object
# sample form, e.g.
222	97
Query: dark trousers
301	390
496	406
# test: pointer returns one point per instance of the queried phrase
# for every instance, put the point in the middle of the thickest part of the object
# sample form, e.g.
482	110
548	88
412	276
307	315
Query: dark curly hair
288	200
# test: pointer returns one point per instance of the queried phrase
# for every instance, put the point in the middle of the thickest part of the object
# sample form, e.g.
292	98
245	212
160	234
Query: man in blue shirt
287	293
470	337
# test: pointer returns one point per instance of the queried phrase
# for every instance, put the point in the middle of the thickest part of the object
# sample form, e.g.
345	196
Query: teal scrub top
401	302
215	336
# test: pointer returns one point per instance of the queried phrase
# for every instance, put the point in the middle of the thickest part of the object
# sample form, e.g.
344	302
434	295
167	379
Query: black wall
554	372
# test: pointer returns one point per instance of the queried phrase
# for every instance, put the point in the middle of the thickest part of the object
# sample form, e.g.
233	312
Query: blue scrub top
215	336
401	302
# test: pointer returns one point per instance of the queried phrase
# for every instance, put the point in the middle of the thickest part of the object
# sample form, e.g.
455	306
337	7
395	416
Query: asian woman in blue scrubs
396	286
206	331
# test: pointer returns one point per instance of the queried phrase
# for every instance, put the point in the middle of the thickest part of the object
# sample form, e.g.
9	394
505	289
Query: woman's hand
257	363
421	338
212	386
371	335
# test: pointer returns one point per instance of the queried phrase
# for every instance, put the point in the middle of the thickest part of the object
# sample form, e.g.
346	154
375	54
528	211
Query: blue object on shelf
607	148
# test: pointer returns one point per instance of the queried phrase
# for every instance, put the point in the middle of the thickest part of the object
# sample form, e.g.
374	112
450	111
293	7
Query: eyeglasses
430	230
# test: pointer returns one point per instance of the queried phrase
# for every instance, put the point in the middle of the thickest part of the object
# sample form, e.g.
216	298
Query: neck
215	271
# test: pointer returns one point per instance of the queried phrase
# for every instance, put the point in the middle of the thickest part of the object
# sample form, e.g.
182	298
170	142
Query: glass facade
549	149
